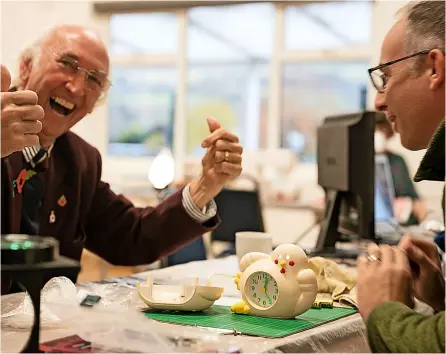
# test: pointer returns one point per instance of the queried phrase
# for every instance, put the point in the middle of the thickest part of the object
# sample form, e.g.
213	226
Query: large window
312	91
229	49
268	72
150	33
144	77
327	25
141	110
230	93
325	69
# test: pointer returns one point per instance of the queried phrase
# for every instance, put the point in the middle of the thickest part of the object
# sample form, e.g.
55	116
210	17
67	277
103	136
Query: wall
36	16
22	21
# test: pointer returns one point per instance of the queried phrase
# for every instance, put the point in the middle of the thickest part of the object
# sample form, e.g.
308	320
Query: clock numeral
258	299
277	291
270	301
264	302
255	295
255	281
275	283
253	288
274	297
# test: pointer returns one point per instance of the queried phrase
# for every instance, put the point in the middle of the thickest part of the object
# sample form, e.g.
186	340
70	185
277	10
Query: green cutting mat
222	317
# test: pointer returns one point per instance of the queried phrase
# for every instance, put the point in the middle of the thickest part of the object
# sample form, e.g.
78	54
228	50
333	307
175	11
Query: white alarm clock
278	285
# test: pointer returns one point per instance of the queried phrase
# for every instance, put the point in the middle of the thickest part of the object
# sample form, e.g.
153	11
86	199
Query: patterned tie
33	192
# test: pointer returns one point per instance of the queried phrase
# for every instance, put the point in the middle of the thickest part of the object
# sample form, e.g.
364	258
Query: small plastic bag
61	290
120	329
116	323
21	316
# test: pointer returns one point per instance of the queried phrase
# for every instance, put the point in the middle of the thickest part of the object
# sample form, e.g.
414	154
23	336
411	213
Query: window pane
231	32
327	25
142	110
148	33
229	48
313	91
234	94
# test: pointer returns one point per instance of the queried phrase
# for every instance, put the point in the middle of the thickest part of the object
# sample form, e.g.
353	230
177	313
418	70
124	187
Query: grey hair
425	26
31	52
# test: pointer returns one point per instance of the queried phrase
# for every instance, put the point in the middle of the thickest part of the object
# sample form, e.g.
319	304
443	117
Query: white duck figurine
285	274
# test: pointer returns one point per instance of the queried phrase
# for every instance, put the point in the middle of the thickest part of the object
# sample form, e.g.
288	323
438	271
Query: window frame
137	167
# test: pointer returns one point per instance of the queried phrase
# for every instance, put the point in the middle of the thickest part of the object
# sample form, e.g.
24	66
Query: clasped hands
221	163
410	270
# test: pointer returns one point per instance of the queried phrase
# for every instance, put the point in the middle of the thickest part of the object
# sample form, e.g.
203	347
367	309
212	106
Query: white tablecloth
344	335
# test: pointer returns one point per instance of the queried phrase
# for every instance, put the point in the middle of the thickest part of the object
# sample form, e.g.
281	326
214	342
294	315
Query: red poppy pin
19	182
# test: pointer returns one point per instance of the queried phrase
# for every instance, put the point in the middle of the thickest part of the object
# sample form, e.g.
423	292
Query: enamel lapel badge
62	201
52	217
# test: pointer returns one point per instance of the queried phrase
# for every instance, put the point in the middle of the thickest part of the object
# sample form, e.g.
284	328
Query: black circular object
27	249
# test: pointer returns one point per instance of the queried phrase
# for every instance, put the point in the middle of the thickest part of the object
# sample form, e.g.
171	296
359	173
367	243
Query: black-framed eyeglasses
379	77
95	80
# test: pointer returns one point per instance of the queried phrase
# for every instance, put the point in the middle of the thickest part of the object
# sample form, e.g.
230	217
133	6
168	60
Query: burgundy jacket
93	216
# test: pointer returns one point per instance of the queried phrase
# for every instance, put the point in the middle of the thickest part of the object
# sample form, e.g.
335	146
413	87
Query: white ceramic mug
249	241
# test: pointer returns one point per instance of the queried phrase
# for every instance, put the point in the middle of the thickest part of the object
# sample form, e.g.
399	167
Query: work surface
343	335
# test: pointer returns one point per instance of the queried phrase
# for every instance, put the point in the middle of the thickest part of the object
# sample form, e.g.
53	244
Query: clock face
261	290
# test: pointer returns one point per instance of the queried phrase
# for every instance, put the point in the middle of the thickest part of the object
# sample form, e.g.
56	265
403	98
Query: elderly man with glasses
54	188
411	91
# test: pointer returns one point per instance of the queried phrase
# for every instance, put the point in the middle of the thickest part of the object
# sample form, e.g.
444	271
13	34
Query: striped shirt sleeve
201	216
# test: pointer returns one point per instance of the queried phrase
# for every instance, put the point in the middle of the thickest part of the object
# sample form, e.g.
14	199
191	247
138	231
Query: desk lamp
161	173
30	260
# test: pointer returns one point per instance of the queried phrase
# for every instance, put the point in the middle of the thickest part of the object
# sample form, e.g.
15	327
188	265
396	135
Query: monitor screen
384	192
239	210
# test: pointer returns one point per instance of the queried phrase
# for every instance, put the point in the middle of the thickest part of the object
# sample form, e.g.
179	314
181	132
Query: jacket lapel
432	166
14	164
53	210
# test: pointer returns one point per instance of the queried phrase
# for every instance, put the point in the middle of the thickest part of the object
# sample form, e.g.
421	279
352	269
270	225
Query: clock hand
264	286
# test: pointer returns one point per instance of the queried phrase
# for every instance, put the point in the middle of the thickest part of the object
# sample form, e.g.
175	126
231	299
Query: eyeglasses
379	77
95	80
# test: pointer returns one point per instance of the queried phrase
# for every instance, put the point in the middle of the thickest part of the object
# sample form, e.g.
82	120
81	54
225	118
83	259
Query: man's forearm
394	327
199	193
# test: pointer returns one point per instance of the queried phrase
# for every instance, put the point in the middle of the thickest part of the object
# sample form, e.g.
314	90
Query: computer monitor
387	227
384	190
239	210
346	170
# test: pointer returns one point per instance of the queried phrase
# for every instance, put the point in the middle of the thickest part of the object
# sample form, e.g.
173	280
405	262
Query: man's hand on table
428	280
221	163
387	277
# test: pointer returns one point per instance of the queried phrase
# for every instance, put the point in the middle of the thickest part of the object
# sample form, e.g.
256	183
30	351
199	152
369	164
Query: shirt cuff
201	216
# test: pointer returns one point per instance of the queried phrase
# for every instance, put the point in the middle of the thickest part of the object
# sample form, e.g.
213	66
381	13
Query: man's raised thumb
5	79
213	124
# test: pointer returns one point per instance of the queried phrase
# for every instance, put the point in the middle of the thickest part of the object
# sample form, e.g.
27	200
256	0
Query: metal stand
329	234
31	276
